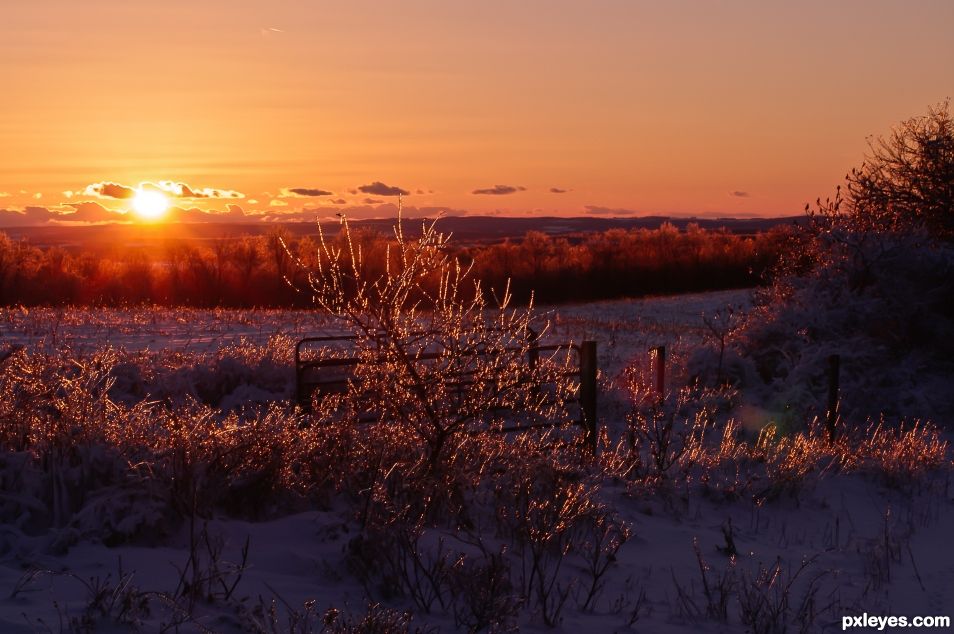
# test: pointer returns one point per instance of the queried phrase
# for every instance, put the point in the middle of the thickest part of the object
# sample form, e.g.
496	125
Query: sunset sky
282	110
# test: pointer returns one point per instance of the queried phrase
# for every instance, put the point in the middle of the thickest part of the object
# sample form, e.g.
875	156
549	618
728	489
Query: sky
253	110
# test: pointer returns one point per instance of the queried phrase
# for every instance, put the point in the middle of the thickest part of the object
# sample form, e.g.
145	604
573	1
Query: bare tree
907	179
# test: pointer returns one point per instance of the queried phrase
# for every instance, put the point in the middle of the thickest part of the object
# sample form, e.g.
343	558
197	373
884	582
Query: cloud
93	212
557	190
372	201
5	194
500	190
275	202
194	215
377	188
181	190
596	210
118	191
109	189
305	192
739	194
358	212
89	212
26	217
339	201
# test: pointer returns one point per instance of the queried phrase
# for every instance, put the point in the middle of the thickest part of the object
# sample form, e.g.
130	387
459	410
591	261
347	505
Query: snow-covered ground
853	543
615	324
864	550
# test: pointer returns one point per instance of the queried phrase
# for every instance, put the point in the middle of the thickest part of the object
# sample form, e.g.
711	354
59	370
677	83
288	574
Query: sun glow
149	204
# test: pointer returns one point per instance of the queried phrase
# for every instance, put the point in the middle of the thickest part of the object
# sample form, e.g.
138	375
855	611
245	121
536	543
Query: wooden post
588	392
834	367
659	363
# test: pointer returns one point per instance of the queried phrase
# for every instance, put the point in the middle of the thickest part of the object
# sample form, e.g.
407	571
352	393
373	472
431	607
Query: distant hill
466	229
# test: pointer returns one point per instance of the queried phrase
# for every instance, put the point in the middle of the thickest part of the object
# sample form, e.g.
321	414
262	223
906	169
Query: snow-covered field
188	343
719	555
626	324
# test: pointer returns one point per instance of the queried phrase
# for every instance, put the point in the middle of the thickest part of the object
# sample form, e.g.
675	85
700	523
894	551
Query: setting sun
150	205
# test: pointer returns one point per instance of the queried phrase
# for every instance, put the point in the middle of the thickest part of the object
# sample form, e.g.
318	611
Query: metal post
659	361
588	392
834	367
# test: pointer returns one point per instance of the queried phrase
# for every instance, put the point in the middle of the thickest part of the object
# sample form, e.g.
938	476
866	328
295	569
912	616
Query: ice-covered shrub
900	456
668	433
432	355
229	378
63	459
438	374
789	460
870	277
892	332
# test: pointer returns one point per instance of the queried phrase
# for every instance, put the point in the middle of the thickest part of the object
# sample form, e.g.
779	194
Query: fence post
588	392
834	367
659	361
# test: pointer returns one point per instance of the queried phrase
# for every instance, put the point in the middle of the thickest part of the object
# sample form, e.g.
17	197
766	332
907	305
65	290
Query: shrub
433	358
870	280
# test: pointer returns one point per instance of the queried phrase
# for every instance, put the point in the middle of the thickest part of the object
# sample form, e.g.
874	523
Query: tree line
270	270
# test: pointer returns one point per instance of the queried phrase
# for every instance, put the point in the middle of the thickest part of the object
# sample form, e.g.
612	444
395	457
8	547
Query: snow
873	548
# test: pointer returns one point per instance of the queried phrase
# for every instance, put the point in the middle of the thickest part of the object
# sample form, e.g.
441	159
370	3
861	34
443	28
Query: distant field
619	326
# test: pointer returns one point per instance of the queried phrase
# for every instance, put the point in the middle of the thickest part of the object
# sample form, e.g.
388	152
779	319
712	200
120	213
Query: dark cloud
596	210
118	191
739	194
557	190
92	212
372	201
26	217
108	189
182	190
194	215
377	188
305	192
359	212
339	201
500	190
89	212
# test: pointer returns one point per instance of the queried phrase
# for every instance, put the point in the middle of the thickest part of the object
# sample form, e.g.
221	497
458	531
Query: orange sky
677	108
